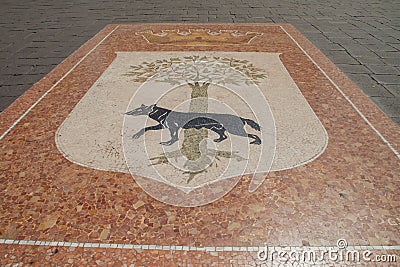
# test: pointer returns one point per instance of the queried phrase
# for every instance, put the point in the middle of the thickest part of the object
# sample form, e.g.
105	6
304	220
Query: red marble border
81	256
285	191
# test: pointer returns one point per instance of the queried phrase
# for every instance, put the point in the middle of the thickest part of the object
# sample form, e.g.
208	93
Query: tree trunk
192	137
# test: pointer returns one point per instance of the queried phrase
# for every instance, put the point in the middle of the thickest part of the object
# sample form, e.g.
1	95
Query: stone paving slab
349	191
39	35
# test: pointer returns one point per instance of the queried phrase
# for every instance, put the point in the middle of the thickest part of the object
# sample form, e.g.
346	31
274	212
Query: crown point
198	37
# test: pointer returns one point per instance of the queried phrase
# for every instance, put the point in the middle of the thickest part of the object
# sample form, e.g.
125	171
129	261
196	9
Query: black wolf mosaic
173	121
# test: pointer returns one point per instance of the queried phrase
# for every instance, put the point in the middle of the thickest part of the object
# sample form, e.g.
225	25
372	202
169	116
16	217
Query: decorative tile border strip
192	248
184	248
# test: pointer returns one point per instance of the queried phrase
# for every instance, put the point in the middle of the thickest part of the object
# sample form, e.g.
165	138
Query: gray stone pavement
362	37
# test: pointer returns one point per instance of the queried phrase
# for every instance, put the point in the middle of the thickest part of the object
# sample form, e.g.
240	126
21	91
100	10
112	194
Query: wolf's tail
251	123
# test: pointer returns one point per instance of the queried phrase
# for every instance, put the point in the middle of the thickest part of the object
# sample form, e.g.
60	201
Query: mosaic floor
102	161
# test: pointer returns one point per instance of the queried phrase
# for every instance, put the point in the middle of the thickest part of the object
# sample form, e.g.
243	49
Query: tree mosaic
198	73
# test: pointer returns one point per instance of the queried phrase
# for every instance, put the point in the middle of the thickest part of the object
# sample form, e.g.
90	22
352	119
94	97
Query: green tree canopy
197	69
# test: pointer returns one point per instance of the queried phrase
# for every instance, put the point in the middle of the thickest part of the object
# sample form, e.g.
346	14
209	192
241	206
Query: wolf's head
142	110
